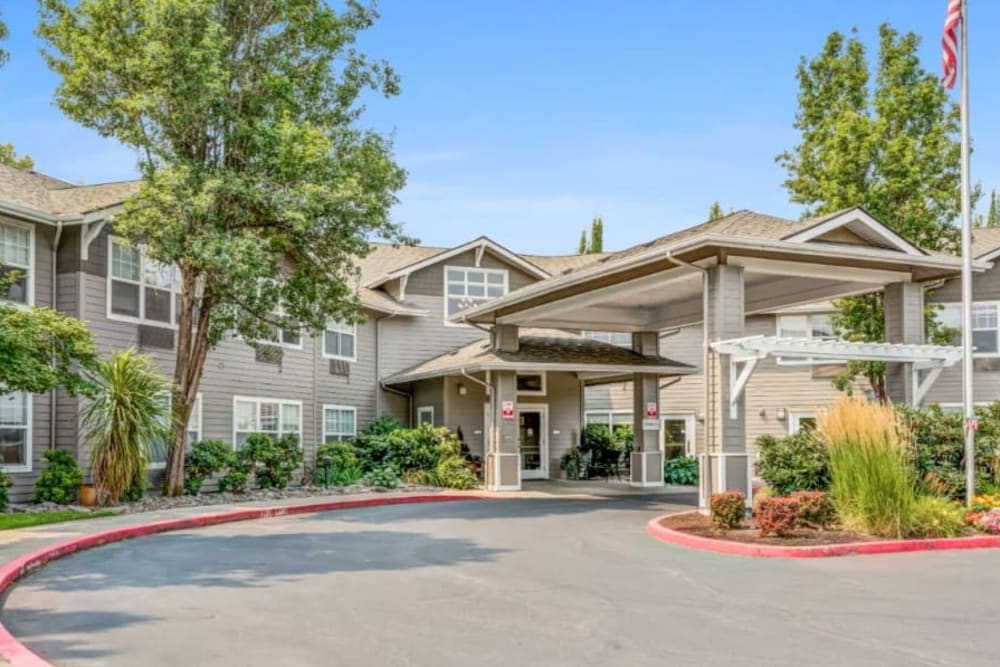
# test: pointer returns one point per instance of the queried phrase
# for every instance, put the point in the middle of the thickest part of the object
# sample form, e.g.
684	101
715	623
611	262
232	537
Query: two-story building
413	358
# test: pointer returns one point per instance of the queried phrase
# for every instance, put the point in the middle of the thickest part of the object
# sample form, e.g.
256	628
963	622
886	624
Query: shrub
936	517
815	509
344	469
872	485
573	462
452	469
683	470
938	448
60	481
798	462
235	480
126	417
372	443
204	459
989	521
727	508
759	495
777	516
273	461
383	478
6	481
415	448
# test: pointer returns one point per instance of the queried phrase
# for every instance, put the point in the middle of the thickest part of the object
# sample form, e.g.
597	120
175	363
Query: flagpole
967	360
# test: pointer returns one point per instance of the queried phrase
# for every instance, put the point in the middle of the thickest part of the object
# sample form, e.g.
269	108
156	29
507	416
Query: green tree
581	247
992	218
890	145
596	236
256	180
4	34
41	349
715	211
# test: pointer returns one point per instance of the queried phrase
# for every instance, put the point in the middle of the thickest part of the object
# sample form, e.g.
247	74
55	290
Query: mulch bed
695	524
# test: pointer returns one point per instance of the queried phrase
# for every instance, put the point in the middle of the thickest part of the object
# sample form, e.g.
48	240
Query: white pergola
746	352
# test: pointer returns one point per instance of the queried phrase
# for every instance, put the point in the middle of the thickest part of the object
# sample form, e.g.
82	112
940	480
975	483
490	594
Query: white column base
712	478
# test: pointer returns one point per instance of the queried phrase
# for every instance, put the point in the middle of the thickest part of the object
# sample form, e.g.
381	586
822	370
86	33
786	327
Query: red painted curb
682	539
18	655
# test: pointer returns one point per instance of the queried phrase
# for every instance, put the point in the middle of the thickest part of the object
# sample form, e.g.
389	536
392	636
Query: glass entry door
678	429
533	435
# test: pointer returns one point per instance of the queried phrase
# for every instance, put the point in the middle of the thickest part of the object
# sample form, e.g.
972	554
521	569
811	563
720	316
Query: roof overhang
590	371
642	291
862	223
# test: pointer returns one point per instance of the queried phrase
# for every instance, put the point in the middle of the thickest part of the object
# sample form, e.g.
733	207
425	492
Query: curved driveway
496	583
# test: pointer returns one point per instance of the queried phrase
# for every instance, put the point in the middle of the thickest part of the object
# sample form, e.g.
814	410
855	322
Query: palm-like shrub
123	421
872	481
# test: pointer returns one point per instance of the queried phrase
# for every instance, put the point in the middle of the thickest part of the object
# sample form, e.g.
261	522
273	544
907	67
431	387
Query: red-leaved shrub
815	509
727	508
777	516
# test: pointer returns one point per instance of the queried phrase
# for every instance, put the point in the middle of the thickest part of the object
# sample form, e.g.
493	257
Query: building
580	331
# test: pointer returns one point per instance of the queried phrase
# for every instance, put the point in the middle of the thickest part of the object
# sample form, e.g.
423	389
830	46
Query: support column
726	466
503	460
646	460
903	303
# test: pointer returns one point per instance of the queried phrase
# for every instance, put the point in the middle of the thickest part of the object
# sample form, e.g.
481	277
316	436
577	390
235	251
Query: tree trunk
192	348
877	382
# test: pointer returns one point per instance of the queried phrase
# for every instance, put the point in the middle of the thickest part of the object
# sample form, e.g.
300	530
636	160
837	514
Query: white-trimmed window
985	329
158	451
531	384
609	418
425	415
339	341
140	289
814	325
619	338
17	256
465	287
285	337
15	431
273	416
340	422
798	421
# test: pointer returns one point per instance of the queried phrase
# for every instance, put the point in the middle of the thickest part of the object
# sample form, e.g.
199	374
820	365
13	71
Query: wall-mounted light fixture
781	414
700	415
462	390
762	413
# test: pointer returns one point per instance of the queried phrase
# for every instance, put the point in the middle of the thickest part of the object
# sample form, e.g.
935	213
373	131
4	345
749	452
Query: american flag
949	61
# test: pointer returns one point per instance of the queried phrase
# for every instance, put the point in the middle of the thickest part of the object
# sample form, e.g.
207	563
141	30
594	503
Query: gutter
55	274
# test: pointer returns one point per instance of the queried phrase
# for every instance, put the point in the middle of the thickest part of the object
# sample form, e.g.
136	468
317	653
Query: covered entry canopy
749	350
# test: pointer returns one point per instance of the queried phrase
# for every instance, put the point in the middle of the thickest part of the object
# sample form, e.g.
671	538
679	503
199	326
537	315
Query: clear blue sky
523	119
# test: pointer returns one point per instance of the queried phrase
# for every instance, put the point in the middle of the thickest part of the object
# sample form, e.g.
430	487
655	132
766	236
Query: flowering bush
727	508
815	509
989	522
777	516
981	504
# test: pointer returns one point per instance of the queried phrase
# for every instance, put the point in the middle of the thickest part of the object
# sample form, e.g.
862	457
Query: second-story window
467	287
15	257
339	341
140	289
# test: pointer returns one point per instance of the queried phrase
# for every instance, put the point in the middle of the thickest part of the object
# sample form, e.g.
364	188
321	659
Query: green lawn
28	519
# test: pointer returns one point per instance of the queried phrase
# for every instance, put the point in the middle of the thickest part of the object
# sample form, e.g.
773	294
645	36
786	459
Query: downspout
704	328
55	273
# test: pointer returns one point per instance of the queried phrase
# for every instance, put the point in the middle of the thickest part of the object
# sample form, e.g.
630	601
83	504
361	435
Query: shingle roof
985	240
540	348
51	196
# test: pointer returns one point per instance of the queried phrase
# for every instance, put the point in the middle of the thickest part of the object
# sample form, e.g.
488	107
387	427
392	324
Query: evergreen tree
993	216
596	236
581	248
715	211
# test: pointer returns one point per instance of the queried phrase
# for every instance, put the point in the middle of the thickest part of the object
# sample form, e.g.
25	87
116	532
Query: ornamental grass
872	483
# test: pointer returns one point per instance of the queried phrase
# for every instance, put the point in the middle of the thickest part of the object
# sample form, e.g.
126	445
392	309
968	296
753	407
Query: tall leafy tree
257	181
890	145
715	211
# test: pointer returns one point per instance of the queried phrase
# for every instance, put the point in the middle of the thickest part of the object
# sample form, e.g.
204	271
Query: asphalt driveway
514	582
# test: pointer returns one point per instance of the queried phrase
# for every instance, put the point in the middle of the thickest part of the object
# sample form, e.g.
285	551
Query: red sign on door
507	409
651	410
